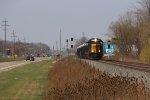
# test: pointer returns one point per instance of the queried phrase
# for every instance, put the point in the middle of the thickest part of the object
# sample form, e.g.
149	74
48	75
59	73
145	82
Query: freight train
92	49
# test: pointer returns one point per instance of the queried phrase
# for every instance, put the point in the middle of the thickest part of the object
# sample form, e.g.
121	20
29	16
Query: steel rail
136	66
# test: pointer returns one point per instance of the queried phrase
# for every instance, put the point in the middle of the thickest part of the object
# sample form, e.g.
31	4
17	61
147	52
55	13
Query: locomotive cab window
95	48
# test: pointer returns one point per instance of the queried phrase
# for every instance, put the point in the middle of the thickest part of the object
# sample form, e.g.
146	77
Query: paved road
10	65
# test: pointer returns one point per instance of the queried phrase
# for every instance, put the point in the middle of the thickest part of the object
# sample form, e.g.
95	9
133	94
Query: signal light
108	41
71	39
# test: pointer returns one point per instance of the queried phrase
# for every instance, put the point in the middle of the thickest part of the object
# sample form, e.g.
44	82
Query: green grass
25	83
7	59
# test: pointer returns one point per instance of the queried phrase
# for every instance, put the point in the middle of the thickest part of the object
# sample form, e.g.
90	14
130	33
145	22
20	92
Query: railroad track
136	66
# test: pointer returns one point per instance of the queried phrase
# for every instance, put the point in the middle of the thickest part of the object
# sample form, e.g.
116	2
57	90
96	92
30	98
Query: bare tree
123	30
132	30
80	41
146	6
22	48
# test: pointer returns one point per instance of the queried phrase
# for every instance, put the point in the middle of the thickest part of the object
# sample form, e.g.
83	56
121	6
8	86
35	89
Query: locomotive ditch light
92	50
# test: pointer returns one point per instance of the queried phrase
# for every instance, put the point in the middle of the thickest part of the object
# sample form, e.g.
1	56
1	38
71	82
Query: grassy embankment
8	59
25	83
72	79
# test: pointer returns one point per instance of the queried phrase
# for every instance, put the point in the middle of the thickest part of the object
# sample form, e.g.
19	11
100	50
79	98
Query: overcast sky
41	20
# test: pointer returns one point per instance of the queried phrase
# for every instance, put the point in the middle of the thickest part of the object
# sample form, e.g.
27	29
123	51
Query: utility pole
14	38
25	46
83	34
56	46
53	48
60	41
19	52
5	30
24	39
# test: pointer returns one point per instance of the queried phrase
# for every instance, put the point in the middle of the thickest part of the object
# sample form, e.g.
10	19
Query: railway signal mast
108	44
67	47
72	43
109	51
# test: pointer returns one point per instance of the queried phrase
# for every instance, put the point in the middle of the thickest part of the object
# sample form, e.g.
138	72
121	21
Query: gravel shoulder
118	70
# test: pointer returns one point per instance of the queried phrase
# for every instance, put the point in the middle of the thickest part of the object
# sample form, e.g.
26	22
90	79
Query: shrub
145	54
73	79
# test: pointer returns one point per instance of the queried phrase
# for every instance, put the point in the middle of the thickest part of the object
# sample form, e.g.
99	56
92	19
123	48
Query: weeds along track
73	79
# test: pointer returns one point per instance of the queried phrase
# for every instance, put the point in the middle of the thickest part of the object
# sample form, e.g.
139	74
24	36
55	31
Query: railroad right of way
121	70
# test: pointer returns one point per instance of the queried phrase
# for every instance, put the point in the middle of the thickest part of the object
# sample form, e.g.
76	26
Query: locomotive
92	49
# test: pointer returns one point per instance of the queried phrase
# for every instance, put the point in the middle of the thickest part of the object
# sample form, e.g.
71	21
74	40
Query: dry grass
71	79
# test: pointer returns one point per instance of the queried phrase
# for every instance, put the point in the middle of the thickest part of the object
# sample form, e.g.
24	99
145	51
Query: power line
5	30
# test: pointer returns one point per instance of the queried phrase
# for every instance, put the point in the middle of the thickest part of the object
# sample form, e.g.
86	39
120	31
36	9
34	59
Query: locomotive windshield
95	48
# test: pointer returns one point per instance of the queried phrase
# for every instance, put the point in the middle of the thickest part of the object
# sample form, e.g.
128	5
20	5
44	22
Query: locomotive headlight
95	40
99	51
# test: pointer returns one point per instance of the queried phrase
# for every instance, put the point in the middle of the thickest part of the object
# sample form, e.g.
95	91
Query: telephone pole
25	46
24	39
60	41
14	39
5	30
56	46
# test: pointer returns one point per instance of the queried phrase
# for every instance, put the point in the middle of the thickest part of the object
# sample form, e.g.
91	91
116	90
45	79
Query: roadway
9	65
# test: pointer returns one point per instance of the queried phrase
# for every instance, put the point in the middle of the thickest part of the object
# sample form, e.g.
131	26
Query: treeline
21	48
132	32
